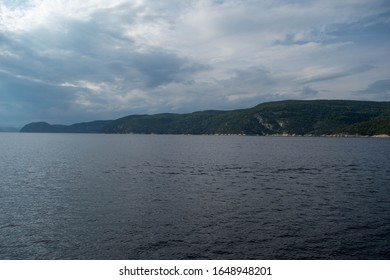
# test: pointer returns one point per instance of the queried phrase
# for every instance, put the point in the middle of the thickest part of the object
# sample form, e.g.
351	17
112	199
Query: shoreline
332	135
227	134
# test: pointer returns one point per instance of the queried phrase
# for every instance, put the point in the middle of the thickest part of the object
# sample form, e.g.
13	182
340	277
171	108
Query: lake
96	196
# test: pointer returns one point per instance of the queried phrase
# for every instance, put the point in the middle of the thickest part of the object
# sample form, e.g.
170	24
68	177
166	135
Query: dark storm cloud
161	68
33	93
308	91
91	51
31	99
380	90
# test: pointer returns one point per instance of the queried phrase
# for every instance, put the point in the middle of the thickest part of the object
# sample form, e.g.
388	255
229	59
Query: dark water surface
84	196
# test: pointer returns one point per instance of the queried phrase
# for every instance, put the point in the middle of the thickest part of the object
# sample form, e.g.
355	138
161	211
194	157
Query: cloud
161	68
24	16
87	59
319	73
380	90
308	91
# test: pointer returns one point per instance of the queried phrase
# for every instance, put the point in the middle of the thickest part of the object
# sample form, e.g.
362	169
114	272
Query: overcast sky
66	61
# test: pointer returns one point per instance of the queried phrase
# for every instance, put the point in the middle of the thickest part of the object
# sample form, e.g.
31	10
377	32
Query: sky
68	61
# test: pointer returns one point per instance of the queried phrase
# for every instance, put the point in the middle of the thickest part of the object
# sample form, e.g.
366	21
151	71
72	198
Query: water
75	196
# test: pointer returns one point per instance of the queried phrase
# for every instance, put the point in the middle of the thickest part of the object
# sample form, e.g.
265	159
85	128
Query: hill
86	127
291	117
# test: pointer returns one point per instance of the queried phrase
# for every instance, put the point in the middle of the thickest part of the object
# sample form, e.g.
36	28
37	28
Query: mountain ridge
289	117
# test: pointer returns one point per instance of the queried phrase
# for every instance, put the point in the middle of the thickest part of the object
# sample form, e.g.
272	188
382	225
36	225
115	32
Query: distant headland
283	118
